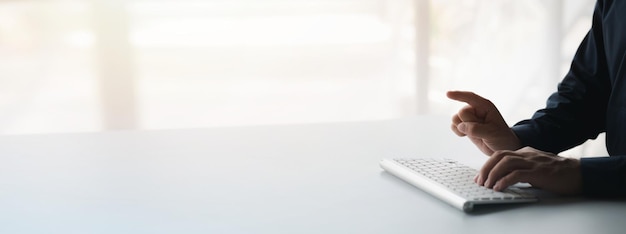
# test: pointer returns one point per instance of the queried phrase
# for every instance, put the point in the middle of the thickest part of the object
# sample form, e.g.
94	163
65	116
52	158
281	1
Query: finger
483	105
512	178
468	114
455	123
456	131
479	130
456	119
467	97
505	166
490	163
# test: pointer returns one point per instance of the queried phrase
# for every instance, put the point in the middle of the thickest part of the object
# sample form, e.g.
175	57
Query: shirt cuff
528	136
603	177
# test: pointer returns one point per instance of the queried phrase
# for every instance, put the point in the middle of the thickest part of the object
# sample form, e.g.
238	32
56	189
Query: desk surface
318	178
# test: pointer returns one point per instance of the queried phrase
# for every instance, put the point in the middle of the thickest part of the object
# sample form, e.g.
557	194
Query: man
590	99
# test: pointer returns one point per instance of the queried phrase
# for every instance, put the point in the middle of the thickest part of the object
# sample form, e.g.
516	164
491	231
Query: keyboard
452	182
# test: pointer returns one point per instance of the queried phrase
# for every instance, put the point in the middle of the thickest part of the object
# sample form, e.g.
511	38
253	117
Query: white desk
320	178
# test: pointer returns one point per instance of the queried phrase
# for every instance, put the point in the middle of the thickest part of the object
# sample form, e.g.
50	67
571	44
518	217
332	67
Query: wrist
574	175
516	143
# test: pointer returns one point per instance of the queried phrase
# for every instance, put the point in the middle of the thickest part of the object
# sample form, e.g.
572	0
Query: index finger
468	97
494	159
512	178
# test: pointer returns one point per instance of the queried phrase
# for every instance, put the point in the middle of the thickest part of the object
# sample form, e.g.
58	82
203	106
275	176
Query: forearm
545	136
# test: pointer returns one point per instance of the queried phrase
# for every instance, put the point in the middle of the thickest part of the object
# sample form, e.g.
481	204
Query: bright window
96	65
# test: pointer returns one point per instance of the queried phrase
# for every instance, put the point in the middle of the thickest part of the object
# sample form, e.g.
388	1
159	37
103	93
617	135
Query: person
590	99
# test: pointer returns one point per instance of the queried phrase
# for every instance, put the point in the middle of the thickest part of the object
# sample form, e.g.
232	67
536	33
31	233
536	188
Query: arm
577	112
566	121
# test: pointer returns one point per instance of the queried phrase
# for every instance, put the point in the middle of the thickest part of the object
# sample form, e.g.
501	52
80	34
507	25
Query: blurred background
95	65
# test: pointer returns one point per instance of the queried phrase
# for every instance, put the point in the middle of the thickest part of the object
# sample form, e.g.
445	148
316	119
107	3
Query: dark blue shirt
591	99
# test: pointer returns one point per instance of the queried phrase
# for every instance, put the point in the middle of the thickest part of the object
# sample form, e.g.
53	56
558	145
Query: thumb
476	129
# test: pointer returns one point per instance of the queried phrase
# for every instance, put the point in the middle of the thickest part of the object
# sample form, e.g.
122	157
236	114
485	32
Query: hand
540	169
481	121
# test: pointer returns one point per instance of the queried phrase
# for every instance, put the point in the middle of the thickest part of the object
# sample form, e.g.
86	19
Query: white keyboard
451	182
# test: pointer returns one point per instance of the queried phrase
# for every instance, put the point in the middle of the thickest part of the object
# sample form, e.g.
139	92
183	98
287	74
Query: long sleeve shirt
591	99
